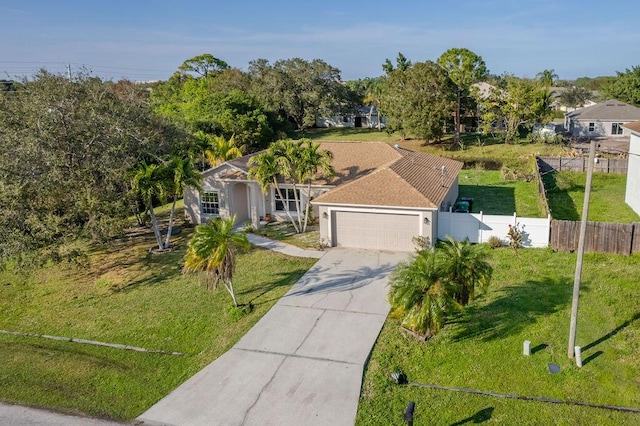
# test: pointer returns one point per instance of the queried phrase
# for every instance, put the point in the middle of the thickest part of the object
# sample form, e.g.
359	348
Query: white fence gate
479	227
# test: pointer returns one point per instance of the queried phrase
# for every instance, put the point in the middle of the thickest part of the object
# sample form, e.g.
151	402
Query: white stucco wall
601	128
632	195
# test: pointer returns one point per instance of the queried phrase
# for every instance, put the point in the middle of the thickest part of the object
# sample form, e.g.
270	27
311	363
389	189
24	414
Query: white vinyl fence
479	227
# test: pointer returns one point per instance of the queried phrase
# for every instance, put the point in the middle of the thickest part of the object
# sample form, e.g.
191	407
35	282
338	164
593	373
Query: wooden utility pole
578	275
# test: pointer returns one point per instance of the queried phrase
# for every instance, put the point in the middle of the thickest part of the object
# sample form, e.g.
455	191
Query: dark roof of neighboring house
365	110
376	174
608	111
633	126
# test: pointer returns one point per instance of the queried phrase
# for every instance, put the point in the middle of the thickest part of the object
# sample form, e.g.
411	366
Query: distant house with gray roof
604	119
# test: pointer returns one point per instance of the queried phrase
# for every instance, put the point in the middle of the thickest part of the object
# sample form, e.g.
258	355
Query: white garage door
374	230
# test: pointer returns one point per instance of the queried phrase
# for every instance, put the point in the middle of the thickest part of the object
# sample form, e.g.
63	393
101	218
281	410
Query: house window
592	127
210	203
345	119
289	198
616	128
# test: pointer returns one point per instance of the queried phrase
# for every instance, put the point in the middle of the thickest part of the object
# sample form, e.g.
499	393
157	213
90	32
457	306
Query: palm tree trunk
154	225
173	209
457	123
285	205
306	208
297	201
229	286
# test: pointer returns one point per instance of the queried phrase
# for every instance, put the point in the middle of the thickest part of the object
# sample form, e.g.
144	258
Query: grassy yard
492	195
285	232
565	192
124	295
529	299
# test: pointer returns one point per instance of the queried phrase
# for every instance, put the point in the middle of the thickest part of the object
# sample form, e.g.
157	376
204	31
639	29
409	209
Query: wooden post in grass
578	275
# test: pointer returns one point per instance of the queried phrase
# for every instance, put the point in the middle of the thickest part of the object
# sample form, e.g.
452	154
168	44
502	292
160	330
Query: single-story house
381	196
362	116
632	195
604	119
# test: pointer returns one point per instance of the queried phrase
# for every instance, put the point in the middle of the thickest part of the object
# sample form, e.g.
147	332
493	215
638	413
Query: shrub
495	242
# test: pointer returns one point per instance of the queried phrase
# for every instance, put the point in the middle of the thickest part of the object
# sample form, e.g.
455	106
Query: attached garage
378	231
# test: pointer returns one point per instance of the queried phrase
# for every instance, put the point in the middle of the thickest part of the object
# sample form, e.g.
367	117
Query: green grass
285	232
529	299
492	195
124	295
565	192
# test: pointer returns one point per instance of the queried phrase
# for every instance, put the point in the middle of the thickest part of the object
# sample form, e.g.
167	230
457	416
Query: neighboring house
604	119
363	116
381	197
556	103
632	196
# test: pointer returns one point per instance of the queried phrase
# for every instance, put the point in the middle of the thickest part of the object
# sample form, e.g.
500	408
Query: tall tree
625	86
212	250
203	65
522	103
402	64
182	173
299	89
547	77
575	97
149	182
70	146
265	168
463	68
419	100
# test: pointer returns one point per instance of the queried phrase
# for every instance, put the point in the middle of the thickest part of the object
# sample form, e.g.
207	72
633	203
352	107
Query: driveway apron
302	363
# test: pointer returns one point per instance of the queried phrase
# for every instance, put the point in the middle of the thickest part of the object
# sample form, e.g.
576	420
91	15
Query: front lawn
124	295
565	192
529	299
492	195
285	232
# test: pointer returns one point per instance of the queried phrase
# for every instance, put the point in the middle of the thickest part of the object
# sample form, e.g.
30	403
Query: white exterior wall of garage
378	228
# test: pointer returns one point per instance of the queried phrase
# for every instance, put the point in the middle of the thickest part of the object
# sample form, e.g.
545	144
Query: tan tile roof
383	187
634	126
425	173
352	160
414	180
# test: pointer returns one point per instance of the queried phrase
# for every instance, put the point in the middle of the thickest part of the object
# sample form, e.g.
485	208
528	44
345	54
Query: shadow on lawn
490	199
480	417
280	280
612	333
517	307
560	203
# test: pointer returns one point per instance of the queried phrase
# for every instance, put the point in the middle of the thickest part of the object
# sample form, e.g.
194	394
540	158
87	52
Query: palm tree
212	250
265	168
465	267
149	183
184	173
311	162
221	150
419	295
547	77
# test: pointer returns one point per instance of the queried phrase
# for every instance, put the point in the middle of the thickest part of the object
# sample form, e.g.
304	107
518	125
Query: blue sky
145	40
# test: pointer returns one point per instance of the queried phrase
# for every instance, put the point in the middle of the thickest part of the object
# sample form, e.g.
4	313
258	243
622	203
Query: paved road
302	363
17	415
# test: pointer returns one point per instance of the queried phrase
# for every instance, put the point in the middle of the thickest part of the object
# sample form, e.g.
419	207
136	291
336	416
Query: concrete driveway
302	363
